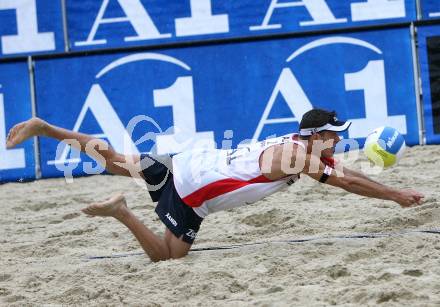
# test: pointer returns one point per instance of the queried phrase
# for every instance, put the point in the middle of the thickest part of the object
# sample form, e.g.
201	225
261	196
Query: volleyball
384	146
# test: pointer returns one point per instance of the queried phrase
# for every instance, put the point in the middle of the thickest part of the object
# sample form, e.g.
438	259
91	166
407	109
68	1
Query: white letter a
137	16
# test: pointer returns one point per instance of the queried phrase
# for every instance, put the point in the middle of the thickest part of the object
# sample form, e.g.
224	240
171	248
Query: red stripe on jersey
217	188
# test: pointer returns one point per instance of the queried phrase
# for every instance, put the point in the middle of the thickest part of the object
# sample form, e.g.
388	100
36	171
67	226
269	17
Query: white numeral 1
378	9
28	38
181	98
201	21
371	80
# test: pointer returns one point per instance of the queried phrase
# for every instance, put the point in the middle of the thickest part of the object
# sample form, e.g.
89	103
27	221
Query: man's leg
156	248
97	149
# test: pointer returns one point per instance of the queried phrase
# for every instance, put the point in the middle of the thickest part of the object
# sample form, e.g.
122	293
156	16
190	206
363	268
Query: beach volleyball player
192	184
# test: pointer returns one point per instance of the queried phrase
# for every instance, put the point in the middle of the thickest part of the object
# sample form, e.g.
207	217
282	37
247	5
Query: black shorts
178	217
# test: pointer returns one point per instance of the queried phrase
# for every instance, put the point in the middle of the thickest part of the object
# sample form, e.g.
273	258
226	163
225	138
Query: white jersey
210	180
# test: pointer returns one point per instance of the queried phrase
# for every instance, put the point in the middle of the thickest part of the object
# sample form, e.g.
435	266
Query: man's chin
327	155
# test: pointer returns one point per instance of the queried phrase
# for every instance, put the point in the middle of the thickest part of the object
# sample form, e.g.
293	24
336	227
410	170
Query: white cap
333	125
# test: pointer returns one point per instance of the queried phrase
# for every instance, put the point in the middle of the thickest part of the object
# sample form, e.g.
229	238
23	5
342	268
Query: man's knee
157	259
178	254
177	247
119	164
113	160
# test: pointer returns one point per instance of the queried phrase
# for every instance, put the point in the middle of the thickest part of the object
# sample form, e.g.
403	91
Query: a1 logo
371	80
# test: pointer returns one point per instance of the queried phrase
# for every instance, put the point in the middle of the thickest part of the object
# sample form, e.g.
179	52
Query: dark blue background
14	80
430	6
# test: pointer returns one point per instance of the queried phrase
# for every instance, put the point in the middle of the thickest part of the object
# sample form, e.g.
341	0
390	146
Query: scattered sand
45	242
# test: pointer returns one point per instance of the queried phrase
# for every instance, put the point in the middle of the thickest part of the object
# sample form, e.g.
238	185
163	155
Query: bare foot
25	130
115	207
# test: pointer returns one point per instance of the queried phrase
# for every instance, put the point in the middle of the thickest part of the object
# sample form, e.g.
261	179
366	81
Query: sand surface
46	241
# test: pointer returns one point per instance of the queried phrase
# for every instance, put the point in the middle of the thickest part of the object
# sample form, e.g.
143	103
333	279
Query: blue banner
224	94
430	9
17	163
120	23
30	27
429	54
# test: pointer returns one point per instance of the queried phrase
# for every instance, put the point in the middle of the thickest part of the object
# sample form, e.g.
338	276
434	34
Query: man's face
332	138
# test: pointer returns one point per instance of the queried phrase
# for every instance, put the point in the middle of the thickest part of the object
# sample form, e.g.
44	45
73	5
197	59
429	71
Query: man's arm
356	183
354	173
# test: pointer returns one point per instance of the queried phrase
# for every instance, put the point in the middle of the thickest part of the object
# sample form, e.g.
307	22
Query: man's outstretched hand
409	198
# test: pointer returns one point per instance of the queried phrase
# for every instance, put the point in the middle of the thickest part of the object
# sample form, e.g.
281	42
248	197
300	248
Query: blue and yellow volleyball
385	146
